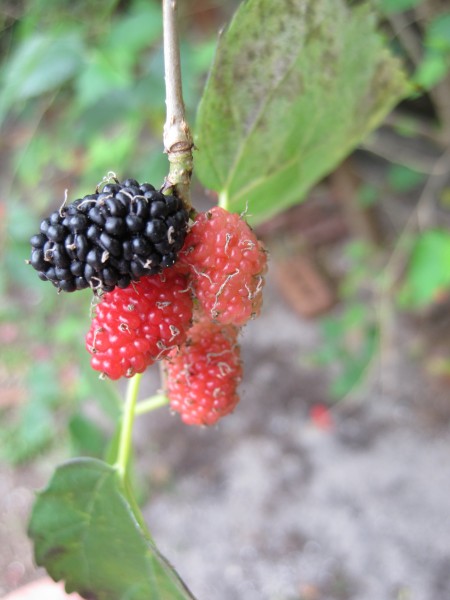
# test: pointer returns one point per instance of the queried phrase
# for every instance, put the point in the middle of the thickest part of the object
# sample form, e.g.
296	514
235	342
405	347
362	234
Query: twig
178	141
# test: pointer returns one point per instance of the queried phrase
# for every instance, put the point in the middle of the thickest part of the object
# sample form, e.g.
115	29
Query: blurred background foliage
82	93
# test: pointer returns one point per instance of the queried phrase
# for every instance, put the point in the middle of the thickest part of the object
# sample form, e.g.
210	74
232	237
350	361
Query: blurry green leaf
404	179
395	6
103	392
40	64
35	428
358	251
99	78
55	15
110	153
355	364
21	222
132	33
438	33
444	198
108	113
68	328
196	60
32	433
86	436
112	448
293	89
407	126
155	167
327	354
332	328
368	195
355	315
428	272
43	384
86	532
432	70
436	61
30	160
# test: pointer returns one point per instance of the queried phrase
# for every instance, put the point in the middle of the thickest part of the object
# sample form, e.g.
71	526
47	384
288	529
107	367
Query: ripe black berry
109	238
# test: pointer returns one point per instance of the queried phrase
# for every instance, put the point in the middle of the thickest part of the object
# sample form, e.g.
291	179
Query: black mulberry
110	238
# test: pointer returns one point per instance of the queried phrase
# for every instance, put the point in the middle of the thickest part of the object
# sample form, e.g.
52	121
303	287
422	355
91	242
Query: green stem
151	403
223	200
126	431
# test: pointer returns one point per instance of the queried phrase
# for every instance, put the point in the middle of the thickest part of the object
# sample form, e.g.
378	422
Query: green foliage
86	436
87	532
403	179
368	195
428	272
351	337
396	6
350	343
39	65
35	425
281	110
101	74
436	61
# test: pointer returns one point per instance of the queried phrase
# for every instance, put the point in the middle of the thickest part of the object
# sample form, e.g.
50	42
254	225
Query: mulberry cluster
111	238
221	264
166	293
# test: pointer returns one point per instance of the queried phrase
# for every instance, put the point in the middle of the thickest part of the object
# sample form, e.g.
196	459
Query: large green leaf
87	532
294	87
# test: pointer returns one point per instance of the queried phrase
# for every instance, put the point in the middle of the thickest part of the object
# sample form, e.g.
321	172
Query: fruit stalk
178	142
126	431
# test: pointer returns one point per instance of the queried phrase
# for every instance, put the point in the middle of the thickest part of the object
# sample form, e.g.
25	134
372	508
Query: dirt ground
269	506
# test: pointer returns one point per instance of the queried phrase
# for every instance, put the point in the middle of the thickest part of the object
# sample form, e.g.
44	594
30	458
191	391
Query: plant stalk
151	403
126	431
178	142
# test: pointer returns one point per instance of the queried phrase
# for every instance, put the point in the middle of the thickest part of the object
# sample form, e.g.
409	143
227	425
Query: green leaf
404	179
436	61
431	70
355	364
86	532
395	6
368	195
438	33
99	78
293	90
129	35
31	435
429	269
40	64
86	436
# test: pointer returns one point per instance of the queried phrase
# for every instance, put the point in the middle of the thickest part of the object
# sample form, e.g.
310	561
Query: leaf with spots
87	532
294	87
